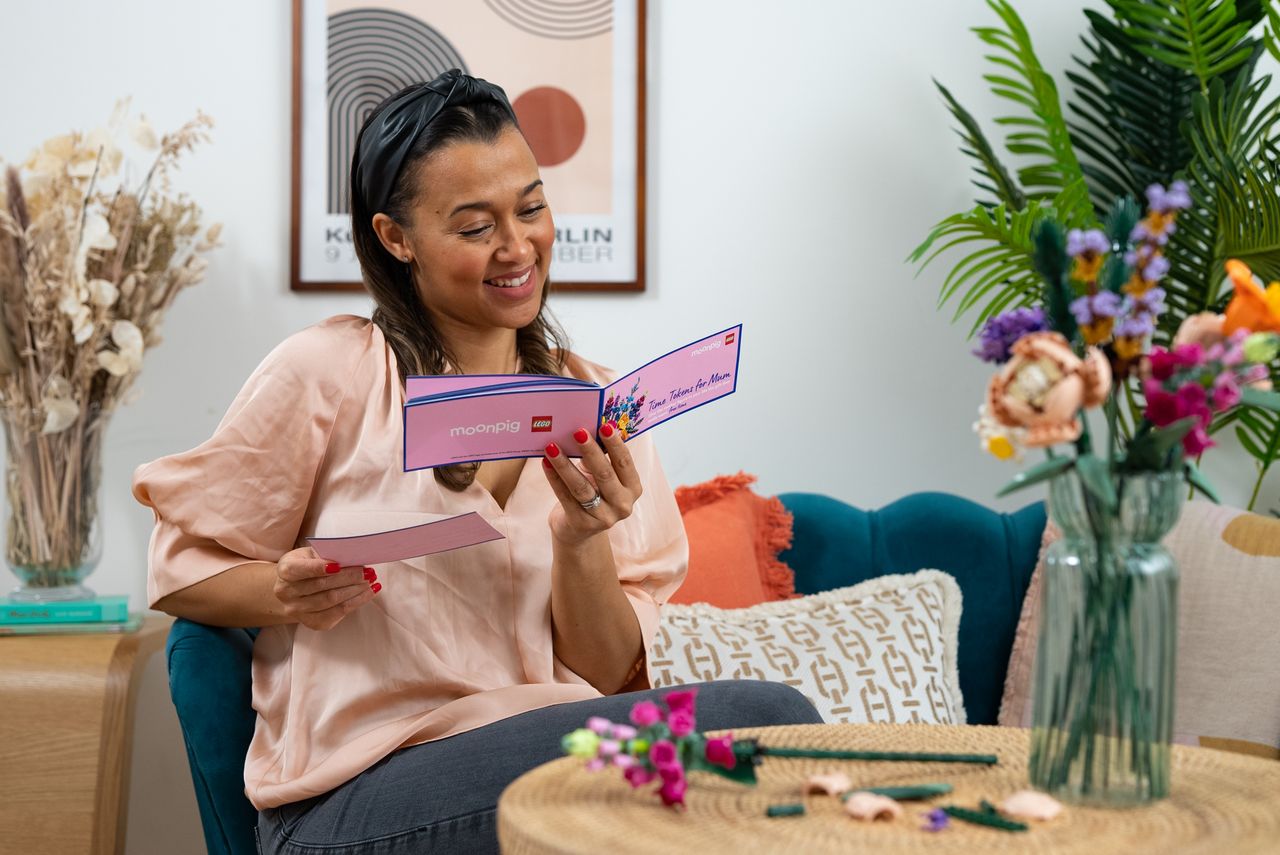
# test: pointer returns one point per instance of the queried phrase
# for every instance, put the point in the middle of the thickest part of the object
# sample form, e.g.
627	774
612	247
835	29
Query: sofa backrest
991	555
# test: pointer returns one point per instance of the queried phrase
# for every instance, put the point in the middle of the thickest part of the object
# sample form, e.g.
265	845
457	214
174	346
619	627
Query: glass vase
53	539
1104	673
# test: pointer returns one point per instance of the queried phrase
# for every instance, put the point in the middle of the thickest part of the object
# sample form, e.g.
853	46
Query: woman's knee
756	703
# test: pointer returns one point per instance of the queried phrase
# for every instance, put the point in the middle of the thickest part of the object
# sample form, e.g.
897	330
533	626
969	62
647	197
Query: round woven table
1221	803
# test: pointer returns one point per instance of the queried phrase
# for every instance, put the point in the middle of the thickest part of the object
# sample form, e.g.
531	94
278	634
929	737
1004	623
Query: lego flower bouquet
1121	423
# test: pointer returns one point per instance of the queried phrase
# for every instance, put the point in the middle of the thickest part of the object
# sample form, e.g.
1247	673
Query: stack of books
100	614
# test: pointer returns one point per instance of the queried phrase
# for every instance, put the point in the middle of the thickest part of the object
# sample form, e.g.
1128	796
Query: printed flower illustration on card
625	411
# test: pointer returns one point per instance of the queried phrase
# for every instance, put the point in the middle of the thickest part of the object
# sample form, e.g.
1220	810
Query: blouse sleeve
241	496
649	547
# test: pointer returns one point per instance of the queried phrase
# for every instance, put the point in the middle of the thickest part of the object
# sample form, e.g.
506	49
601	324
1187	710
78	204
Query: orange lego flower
1252	308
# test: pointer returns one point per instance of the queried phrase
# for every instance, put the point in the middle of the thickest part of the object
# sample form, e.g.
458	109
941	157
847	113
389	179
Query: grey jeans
442	796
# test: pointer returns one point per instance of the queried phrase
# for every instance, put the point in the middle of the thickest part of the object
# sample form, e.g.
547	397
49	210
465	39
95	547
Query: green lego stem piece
895	756
982	817
904	794
785	810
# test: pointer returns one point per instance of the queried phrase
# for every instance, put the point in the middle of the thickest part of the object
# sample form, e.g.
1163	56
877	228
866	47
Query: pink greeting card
463	418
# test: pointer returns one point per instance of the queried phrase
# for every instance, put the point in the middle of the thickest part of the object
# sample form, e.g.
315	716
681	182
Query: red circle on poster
552	122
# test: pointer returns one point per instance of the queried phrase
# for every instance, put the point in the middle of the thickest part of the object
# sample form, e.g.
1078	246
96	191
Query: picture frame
573	70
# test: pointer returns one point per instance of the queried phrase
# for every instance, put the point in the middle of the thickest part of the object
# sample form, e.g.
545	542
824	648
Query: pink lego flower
680	722
638	775
681	700
645	714
672	792
663	753
720	751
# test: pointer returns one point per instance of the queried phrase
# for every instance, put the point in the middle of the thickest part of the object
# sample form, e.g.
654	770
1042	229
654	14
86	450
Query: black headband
390	134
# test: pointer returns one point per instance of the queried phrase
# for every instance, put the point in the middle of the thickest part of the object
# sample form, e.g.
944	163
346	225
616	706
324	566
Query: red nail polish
606	431
369	575
581	435
553	450
332	567
613	425
546	464
376	586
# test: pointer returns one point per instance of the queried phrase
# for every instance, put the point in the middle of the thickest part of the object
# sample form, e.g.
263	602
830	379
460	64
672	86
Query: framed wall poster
574	71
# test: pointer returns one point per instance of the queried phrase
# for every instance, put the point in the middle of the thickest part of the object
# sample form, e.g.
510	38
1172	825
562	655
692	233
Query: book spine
112	610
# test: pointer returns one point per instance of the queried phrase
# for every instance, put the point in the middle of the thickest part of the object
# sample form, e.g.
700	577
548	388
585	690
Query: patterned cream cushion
880	651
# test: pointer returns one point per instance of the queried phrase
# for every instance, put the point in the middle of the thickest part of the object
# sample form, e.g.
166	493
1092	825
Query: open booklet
459	418
462	418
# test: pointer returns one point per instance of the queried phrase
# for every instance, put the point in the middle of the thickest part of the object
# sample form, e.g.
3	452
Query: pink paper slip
413	542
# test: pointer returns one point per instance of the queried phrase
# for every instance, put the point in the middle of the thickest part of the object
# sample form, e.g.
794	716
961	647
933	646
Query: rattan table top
1221	803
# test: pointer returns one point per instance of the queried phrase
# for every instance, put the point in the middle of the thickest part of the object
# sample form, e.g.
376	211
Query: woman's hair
399	312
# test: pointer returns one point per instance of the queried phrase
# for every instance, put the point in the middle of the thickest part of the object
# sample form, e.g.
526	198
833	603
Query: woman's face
480	234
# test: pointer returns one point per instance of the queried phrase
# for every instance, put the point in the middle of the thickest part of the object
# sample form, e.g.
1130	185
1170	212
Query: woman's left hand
598	495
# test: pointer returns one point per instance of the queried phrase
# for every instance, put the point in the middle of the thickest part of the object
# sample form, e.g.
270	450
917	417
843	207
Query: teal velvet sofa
991	555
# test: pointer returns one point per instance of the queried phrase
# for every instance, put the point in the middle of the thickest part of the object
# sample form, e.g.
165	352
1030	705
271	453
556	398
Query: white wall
797	153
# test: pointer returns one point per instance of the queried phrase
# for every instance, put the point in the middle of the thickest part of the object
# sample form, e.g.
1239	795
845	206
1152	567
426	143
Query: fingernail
332	568
553	450
613	424
606	431
546	464
581	435
376	586
369	575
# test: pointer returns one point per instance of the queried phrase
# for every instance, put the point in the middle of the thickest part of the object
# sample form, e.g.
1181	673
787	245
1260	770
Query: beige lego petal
833	784
870	807
1029	804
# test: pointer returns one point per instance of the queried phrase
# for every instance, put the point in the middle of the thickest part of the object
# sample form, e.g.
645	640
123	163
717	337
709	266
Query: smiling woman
477	221
470	664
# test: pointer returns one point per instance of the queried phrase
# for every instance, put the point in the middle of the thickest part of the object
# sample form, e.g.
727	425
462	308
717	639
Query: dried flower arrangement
90	261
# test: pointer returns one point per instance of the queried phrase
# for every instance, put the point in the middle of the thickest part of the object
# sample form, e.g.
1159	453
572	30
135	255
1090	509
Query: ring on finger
592	503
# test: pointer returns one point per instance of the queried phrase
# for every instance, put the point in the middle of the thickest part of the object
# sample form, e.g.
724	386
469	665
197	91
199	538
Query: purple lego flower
938	820
1157	268
1002	331
1176	198
1150	302
1135	327
1092	241
1088	310
1142	233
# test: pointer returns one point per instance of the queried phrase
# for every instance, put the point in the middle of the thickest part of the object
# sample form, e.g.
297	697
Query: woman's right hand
319	594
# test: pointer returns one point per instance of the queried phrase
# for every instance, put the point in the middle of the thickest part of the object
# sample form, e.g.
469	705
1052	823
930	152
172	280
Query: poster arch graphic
373	53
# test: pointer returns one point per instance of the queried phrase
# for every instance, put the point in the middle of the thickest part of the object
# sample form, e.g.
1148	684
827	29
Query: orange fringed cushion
734	540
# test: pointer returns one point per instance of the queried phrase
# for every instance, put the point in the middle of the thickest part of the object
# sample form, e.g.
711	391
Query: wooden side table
1220	803
66	733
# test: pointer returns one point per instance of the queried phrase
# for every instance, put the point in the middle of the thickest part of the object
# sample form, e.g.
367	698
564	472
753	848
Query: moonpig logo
497	427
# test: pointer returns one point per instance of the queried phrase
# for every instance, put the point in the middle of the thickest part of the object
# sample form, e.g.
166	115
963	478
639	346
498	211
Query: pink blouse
312	446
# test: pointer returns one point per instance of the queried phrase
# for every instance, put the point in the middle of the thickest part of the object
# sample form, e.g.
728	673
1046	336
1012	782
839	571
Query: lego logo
728	339
541	423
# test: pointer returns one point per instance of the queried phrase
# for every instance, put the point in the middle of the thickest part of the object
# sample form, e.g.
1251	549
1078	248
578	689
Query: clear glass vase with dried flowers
1105	659
90	261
